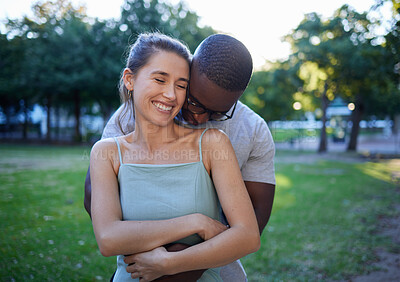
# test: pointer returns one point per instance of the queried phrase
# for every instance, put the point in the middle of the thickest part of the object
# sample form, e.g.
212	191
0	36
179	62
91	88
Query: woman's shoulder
214	137
105	143
106	147
207	134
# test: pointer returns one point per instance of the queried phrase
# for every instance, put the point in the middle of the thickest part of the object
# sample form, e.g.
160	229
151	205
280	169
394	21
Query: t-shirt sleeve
260	164
113	128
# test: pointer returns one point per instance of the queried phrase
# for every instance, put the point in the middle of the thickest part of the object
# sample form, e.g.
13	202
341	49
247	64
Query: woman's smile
162	107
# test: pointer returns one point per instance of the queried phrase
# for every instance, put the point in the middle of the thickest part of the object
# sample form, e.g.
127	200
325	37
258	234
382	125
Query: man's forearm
88	193
262	198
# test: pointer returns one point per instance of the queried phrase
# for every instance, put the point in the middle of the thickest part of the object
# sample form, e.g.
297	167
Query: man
220	72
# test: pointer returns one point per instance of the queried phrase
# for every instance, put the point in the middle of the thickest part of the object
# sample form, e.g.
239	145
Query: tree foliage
355	68
270	93
62	58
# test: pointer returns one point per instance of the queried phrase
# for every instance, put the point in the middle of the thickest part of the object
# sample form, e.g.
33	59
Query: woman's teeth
162	107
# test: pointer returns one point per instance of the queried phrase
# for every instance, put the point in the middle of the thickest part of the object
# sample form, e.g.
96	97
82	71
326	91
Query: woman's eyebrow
167	74
160	72
184	79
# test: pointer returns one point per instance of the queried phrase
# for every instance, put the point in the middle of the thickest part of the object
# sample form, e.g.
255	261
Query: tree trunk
77	101
48	121
8	126
107	112
356	116
26	122
323	139
57	117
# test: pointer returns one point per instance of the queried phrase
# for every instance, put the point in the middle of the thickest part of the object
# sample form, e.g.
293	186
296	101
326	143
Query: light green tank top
163	191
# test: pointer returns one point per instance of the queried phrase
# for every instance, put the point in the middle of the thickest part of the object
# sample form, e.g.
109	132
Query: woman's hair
146	45
225	61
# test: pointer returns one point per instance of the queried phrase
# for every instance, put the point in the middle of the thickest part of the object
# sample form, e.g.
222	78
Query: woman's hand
147	266
209	227
189	276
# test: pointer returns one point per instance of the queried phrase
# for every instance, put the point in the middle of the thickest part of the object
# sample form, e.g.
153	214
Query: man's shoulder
246	118
119	123
245	113
245	127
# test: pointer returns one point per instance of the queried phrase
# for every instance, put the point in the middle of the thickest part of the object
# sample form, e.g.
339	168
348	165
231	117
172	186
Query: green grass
323	225
46	234
324	221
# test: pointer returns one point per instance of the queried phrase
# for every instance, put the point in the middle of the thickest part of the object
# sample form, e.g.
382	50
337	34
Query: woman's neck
151	137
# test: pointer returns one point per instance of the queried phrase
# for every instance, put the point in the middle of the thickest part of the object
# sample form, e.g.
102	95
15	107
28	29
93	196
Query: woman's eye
182	86
159	80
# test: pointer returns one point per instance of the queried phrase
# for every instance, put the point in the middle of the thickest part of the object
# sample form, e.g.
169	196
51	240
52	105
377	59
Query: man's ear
128	78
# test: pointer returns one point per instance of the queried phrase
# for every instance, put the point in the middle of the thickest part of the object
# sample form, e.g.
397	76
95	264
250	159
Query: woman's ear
128	78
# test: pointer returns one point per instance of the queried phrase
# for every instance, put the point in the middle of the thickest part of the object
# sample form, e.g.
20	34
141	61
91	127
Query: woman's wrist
198	225
169	263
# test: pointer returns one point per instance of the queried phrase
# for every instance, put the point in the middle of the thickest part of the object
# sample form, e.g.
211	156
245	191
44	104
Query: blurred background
324	73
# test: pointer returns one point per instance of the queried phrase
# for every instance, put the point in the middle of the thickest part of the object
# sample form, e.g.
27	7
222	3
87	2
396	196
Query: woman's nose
170	93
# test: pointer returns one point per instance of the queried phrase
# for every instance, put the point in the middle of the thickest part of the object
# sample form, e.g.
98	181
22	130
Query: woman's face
159	88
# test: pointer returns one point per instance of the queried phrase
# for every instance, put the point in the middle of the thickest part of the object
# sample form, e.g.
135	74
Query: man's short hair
225	61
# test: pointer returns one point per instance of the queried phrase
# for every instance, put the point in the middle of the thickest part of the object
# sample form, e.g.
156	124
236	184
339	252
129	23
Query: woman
155	186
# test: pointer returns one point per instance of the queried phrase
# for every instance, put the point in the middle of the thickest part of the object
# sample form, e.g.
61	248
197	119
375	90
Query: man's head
220	72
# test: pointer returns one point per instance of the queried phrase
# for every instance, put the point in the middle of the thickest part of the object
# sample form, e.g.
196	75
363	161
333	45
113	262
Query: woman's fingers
129	259
135	275
131	268
146	266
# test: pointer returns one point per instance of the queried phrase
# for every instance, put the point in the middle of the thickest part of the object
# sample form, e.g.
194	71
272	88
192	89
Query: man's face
209	95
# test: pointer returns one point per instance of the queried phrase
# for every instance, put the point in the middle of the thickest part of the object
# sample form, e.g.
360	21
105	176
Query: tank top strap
119	151
201	136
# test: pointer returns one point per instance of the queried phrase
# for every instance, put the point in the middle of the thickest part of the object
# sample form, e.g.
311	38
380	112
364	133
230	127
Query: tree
75	62
311	43
356	67
14	80
270	93
316	86
392	44
106	49
148	16
54	54
365	69
184	24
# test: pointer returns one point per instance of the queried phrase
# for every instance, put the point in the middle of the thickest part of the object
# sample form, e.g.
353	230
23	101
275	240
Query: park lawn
45	232
323	225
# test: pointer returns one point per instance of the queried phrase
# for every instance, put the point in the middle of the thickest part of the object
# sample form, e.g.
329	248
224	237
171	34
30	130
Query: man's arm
262	197
258	170
88	193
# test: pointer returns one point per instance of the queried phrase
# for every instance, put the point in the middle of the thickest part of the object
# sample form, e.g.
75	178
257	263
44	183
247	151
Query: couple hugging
182	183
